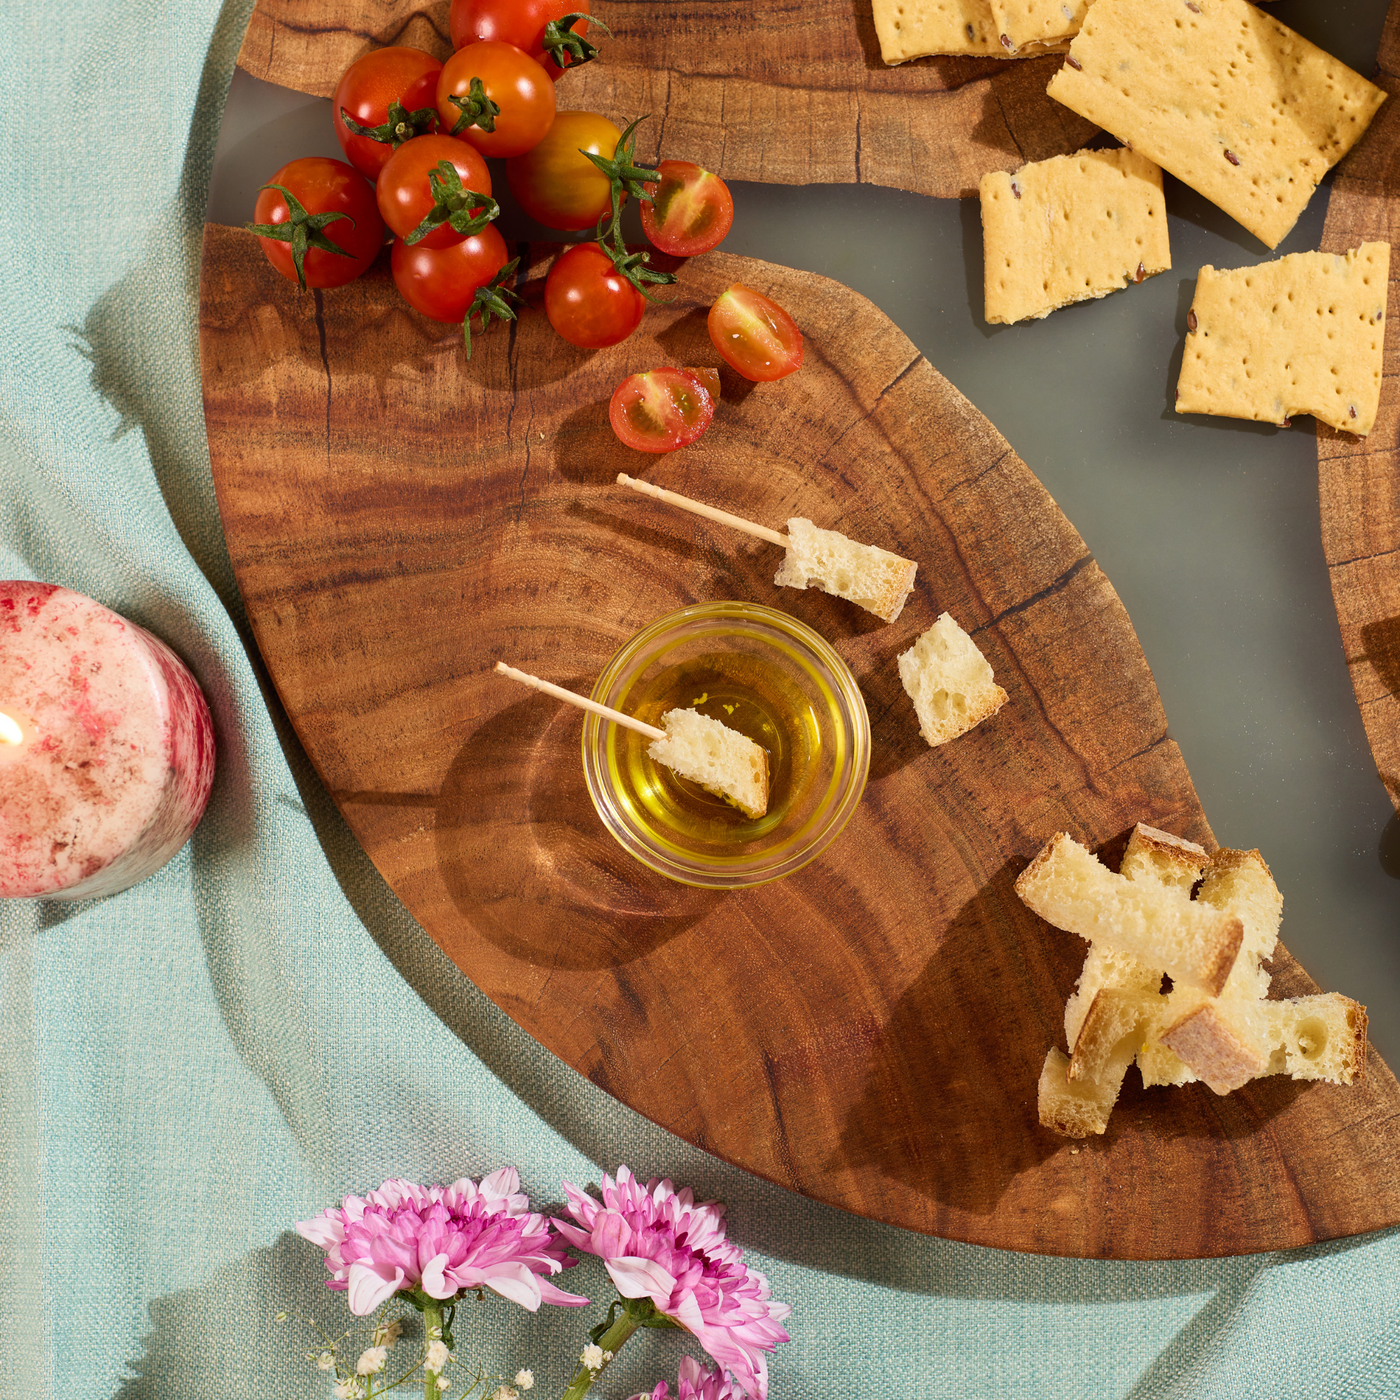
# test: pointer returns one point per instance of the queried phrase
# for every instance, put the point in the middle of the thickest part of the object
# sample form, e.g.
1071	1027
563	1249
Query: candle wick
10	731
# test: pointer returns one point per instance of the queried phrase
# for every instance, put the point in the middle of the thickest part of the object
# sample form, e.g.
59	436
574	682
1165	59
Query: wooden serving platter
769	90
1359	478
870	1030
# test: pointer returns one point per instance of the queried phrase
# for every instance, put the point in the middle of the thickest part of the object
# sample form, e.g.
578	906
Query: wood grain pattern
868	1031
1359	478
766	90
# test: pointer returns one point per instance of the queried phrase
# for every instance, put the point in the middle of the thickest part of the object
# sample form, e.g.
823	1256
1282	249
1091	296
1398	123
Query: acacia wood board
766	90
868	1031
1359	478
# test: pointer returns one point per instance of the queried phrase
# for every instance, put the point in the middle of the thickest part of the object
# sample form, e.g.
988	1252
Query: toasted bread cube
949	681
717	757
860	573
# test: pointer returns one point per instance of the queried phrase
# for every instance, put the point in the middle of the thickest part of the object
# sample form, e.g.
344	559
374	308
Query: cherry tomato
370	85
660	410
756	336
690	210
555	184
321	186
404	194
518	22
588	301
441	282
708	377
513	81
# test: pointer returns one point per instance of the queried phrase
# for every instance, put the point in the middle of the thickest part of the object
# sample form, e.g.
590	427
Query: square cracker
1223	96
1302	334
1069	229
1029	27
916	28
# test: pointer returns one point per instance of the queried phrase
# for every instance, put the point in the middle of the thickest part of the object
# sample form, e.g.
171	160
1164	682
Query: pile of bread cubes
1174	982
1234	104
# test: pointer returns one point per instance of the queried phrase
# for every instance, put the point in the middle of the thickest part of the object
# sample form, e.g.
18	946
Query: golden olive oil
746	692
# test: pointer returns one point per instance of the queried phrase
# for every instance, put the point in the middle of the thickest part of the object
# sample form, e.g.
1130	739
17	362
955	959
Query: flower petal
516	1282
368	1289
641	1278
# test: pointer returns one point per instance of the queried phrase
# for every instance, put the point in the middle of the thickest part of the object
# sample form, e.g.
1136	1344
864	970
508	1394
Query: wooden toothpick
570	698
723	517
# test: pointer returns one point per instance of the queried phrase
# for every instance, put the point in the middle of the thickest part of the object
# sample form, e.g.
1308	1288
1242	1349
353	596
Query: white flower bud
525	1380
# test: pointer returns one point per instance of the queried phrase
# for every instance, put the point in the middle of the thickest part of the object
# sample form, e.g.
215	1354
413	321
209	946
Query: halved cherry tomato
690	210
660	410
588	301
320	186
405	195
708	377
518	22
556	185
402	77
513	82
755	335
441	282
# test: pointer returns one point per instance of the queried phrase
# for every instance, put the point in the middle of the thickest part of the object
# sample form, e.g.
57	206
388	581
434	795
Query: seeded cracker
1070	229
1227	99
1302	334
915	28
1026	28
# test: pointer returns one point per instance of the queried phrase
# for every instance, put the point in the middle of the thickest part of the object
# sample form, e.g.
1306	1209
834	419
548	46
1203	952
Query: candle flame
10	731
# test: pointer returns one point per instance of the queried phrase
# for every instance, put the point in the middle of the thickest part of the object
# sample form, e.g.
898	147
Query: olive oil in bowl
771	678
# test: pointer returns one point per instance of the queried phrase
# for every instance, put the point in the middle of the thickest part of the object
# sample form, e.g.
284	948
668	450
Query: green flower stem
432	1319
611	1340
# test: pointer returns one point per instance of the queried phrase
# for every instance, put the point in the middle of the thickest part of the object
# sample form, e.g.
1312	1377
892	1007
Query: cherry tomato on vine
405	192
442	282
488	76
555	184
690	210
400	78
660	410
518	22
588	301
330	207
755	335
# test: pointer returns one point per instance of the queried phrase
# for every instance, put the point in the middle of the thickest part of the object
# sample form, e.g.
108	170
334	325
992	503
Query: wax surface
118	769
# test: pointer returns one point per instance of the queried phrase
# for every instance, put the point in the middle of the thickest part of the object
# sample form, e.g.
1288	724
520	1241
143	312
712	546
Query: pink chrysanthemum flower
696	1382
657	1243
441	1239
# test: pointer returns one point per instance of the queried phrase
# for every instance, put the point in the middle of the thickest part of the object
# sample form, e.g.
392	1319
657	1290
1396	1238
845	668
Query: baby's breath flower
438	1356
326	1361
371	1361
347	1390
594	1357
505	1392
525	1380
443	1382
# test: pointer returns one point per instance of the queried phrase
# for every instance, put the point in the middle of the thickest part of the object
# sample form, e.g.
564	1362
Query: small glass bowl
757	670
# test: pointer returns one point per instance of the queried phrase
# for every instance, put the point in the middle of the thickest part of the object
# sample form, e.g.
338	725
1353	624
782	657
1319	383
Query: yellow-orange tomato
555	183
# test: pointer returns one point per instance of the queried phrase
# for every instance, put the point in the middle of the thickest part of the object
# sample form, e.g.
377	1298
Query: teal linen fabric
193	1065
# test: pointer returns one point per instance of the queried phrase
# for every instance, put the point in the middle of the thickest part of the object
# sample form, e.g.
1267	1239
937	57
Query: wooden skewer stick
570	698
723	517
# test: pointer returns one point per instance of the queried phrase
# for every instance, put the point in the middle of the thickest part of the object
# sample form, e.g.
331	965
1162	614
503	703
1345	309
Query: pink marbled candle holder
107	757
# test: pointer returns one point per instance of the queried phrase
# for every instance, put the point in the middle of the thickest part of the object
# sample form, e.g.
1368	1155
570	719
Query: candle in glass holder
106	747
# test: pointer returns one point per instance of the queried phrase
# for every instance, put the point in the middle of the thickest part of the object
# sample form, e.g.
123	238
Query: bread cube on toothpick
864	574
692	745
